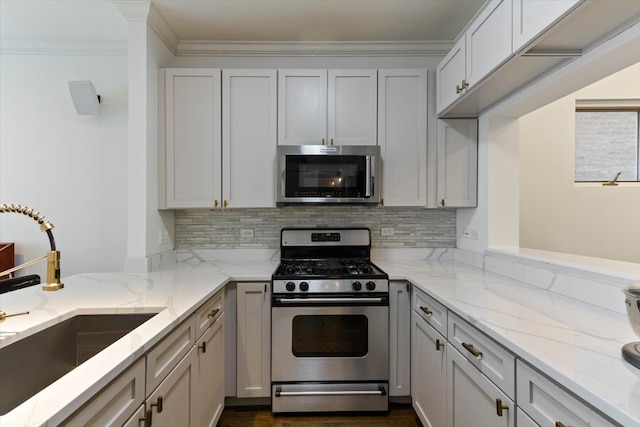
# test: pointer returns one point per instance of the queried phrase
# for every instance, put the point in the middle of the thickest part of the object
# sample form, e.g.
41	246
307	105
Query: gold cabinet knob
500	407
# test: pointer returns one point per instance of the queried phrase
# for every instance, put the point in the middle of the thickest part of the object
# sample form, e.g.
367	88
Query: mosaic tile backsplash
222	229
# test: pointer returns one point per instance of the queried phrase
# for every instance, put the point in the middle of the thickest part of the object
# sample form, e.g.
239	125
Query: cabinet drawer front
430	310
116	402
166	355
209	312
489	357
546	403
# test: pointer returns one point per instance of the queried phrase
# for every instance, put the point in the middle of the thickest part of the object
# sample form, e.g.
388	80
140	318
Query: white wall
559	215
71	168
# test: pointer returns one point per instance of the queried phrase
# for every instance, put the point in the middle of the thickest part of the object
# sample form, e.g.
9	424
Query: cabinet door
402	136
399	338
208	396
253	340
472	399
170	404
428	373
302	107
136	419
457	162
451	75
523	420
249	138
352	107
488	40
193	138
532	17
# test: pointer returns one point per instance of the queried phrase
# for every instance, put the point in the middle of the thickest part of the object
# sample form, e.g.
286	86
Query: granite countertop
575	343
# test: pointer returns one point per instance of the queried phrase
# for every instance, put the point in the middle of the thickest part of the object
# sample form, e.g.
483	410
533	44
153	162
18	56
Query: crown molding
209	48
163	30
133	10
63	47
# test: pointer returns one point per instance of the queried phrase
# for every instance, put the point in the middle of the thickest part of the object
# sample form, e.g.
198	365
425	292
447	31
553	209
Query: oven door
330	343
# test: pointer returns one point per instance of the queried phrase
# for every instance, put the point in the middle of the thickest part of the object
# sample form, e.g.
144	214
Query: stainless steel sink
31	364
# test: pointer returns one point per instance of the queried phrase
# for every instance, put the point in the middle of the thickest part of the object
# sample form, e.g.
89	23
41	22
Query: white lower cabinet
428	372
170	404
208	390
399	339
523	420
115	403
136	419
253	340
550	405
472	399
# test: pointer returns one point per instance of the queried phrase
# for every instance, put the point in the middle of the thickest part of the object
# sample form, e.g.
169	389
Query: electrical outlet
246	233
386	231
468	233
163	236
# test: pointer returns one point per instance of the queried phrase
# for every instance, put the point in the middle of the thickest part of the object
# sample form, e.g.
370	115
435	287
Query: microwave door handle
367	183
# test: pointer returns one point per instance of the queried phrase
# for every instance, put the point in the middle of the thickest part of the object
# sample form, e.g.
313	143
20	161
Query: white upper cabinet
451	76
488	40
457	162
402	136
249	137
531	17
325	106
352	107
217	138
191	147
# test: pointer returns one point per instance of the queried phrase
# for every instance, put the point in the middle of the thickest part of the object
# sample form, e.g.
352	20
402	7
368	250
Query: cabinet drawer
116	402
166	355
547	404
489	357
208	312
430	310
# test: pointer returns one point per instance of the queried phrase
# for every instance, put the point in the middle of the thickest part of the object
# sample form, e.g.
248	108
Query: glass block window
607	142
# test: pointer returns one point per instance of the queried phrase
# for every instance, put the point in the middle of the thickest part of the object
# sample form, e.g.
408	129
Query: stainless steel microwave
328	174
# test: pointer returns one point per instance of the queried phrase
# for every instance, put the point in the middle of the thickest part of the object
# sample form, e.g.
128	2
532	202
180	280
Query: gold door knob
225	204
215	203
442	202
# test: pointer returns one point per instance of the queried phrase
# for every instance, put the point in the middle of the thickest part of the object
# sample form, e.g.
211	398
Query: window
607	140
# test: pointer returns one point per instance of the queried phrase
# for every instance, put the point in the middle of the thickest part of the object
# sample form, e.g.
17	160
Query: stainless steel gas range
330	323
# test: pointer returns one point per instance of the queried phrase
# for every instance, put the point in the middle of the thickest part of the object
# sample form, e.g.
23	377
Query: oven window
330	336
325	176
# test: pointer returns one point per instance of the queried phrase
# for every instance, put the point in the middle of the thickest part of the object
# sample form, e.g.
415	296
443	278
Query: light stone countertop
575	343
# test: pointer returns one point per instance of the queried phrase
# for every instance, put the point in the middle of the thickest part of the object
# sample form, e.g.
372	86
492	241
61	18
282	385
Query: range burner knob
304	286
356	286
371	286
290	286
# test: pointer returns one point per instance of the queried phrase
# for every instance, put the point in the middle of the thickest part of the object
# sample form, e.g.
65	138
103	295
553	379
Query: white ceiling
244	20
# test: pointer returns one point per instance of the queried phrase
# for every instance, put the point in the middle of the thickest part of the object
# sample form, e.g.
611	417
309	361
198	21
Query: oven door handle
332	300
380	392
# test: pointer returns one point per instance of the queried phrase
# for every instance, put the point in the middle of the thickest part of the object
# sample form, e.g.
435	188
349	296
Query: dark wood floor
398	416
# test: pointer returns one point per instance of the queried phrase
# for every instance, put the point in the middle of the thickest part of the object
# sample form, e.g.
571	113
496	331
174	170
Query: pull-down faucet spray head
52	257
